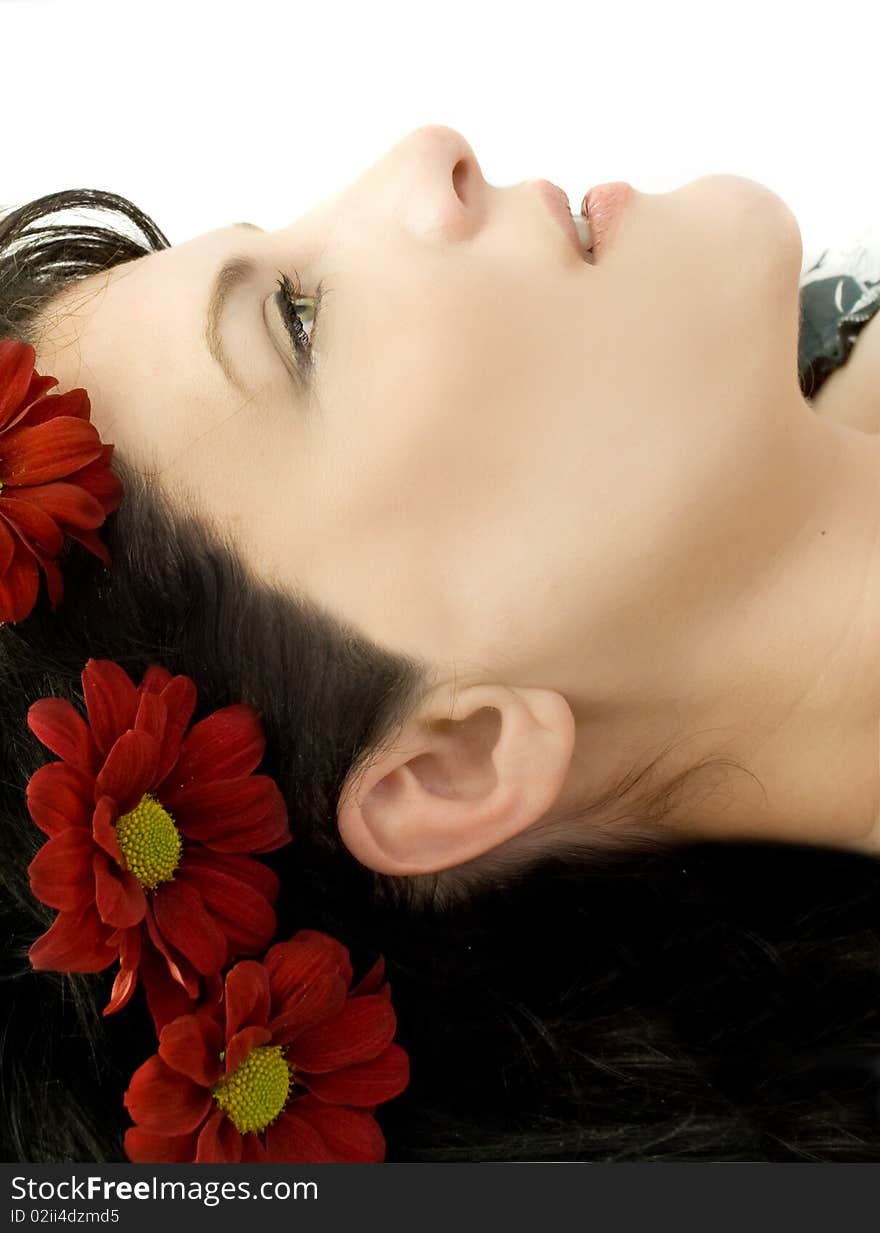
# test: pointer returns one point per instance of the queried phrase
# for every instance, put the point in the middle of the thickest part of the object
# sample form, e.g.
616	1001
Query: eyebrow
233	272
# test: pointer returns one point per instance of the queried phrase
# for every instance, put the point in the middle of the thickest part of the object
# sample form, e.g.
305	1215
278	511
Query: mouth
575	226
603	206
585	235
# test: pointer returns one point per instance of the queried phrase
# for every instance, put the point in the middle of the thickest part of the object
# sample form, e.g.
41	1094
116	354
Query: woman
558	600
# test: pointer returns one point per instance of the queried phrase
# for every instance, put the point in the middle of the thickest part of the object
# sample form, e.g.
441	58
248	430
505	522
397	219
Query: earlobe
466	773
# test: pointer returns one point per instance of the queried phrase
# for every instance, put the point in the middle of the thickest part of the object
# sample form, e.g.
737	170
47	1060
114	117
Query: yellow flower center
150	842
256	1091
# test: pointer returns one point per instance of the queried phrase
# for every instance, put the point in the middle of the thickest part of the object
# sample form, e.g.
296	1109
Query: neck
780	674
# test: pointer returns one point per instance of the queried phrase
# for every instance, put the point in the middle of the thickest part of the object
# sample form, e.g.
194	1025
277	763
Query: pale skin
592	496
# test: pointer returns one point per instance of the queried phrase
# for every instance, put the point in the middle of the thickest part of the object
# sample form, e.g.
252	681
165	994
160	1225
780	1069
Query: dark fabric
840	292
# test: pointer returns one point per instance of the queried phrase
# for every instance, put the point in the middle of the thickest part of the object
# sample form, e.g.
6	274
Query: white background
207	113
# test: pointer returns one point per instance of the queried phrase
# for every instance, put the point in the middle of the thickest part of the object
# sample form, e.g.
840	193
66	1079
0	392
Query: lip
558	204
603	206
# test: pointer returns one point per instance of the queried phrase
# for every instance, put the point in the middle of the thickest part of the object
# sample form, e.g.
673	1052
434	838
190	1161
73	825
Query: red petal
33	398
93	542
155	678
212	997
111	701
166	999
361	1030
252	1150
119	896
34	525
181	918
45	407
58	797
219	1142
67	504
314	1003
179	967
100	480
372	982
192	1045
241	1045
243	914
179	696
124	986
367	1083
61	728
54	581
7	547
19	586
129	770
226	745
300	960
61	872
247	996
232	815
130	948
151	717
49	451
233	865
161	1100
76	942
291	1140
16	368
104	829
350	1134
142	1147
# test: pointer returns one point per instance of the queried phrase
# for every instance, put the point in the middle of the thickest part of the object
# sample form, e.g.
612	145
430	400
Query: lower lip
603	205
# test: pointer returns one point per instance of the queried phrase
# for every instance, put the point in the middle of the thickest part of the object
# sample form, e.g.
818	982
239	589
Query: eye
296	311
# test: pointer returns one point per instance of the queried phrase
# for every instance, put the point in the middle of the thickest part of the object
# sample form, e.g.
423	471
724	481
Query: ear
467	772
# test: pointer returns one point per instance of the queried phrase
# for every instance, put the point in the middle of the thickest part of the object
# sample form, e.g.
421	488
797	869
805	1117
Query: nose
439	192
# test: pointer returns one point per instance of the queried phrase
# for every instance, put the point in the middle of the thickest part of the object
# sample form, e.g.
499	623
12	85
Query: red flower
55	480
288	1067
148	834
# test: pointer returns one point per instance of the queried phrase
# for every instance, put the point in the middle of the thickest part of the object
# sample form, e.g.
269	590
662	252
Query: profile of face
477	448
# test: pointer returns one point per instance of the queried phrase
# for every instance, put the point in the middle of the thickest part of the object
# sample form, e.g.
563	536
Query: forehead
88	308
133	337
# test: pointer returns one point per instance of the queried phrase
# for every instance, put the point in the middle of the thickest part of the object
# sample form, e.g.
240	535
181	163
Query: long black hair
697	1002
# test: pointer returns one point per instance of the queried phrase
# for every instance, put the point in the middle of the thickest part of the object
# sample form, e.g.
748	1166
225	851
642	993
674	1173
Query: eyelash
286	297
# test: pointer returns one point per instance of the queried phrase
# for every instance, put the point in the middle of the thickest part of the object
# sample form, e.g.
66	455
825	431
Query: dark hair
703	1001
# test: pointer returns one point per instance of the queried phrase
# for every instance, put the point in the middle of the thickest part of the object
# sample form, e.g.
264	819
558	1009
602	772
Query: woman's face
496	446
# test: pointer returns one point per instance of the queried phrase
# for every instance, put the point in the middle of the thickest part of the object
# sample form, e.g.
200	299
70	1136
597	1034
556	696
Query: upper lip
559	206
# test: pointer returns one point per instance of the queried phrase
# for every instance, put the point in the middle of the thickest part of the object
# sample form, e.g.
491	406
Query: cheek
686	392
427	398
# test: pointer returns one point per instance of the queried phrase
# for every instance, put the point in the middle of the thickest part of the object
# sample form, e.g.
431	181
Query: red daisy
288	1067
149	830
55	480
